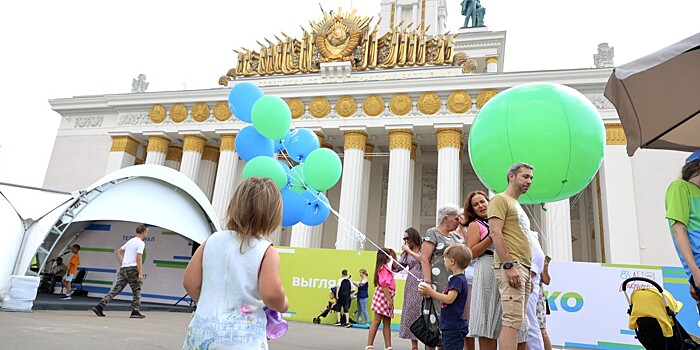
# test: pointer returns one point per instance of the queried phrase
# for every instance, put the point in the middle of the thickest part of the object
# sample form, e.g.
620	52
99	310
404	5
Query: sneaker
348	325
136	314
338	324
98	310
67	297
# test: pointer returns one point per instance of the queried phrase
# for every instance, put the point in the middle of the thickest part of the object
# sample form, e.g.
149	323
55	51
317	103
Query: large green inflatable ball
550	126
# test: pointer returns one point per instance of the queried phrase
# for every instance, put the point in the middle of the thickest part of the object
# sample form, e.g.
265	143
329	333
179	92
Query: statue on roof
472	9
139	85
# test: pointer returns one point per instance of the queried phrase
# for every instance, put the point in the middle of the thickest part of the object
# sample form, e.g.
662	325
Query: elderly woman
435	241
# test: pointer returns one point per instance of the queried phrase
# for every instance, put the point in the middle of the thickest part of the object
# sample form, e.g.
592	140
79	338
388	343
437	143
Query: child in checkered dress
383	300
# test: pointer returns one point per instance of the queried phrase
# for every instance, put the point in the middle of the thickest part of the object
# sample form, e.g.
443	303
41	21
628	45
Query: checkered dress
380	305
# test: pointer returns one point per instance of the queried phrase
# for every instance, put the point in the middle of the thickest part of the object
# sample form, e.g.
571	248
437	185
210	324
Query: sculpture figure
472	9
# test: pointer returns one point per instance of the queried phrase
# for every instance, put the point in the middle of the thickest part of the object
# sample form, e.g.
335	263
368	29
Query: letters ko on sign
569	302
313	282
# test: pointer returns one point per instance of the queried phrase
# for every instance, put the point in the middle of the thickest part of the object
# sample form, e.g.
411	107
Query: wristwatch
508	265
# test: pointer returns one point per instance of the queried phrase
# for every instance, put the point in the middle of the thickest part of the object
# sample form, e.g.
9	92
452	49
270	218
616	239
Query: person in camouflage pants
131	272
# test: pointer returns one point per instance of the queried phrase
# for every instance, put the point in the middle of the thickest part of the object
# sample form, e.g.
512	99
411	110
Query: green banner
308	274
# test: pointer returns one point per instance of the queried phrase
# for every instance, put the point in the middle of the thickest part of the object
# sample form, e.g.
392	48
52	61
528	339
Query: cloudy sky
56	49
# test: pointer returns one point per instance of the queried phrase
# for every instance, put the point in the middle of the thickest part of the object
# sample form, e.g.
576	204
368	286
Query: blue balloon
250	144
293	207
300	143
281	143
242	98
318	209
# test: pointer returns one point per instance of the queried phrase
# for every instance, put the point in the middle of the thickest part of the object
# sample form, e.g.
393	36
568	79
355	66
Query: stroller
332	306
653	318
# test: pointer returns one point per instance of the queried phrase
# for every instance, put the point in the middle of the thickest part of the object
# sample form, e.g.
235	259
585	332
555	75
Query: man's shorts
69	278
344	302
514	301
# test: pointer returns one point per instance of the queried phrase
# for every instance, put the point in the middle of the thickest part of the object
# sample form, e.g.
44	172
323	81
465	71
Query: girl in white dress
235	272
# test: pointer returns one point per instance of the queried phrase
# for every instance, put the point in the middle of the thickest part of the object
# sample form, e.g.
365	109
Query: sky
59	49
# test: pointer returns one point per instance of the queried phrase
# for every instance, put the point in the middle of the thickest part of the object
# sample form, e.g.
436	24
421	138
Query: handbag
427	327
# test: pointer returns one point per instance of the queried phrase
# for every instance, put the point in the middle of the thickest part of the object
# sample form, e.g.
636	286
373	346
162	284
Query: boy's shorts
453	339
69	278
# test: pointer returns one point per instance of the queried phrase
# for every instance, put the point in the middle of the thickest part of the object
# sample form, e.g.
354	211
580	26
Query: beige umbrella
658	98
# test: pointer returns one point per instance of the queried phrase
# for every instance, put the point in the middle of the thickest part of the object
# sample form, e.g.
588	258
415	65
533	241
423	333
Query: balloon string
351	230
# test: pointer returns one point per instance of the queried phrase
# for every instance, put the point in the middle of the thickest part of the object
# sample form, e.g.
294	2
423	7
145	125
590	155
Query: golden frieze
178	113
484	96
344	37
373	105
459	102
429	103
400	104
296	106
319	107
221	111
345	106
200	112
157	114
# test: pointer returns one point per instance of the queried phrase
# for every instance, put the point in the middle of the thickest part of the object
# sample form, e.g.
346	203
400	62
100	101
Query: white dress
230	310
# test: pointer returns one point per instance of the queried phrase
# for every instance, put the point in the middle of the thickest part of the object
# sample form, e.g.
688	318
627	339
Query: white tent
150	194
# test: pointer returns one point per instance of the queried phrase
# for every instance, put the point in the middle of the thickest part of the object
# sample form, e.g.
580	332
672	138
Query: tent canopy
149	194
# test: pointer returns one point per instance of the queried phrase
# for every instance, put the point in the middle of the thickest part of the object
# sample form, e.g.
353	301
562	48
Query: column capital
228	142
449	137
400	138
124	143
194	142
355	139
369	148
210	153
614	134
491	59
414	148
174	154
158	143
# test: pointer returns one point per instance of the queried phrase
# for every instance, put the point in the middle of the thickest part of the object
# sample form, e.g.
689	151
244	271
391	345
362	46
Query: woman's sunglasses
405	239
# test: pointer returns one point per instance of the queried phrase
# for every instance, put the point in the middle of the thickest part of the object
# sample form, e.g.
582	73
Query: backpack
344	287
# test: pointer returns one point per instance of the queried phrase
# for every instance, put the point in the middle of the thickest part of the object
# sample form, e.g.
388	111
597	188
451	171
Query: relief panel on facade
428	197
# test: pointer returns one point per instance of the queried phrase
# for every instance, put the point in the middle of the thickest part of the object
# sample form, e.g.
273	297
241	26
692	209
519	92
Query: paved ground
159	330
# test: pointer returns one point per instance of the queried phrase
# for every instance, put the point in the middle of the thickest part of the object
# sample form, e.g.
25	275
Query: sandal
368	347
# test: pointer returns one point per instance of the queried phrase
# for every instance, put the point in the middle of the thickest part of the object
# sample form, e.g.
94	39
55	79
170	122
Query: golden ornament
400	104
157	114
459	102
345	106
429	103
373	105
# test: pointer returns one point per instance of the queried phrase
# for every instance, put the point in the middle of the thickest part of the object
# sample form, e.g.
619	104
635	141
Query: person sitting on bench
49	279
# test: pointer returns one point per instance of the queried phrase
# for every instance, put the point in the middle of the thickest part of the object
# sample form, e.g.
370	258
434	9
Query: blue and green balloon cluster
313	169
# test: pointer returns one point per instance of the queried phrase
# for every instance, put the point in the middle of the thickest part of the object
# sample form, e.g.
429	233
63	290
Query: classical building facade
397	106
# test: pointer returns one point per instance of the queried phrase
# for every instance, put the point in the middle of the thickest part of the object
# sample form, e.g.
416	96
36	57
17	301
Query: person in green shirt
683	214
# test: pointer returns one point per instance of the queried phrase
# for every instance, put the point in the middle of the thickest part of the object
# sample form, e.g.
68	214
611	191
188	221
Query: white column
225	175
364	202
449	174
306	236
492	64
351	186
123	152
619	209
157	149
411	180
556	224
174	157
398	200
207	170
192	155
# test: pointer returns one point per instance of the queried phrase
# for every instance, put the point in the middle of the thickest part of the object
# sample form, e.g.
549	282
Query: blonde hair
461	254
255	209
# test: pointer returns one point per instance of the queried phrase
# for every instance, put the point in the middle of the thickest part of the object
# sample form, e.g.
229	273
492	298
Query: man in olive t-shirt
510	227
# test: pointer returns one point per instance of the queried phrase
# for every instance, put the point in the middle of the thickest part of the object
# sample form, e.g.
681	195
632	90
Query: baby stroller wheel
316	320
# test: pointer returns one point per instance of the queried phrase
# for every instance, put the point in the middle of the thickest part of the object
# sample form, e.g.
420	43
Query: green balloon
322	169
264	166
271	117
550	126
297	182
